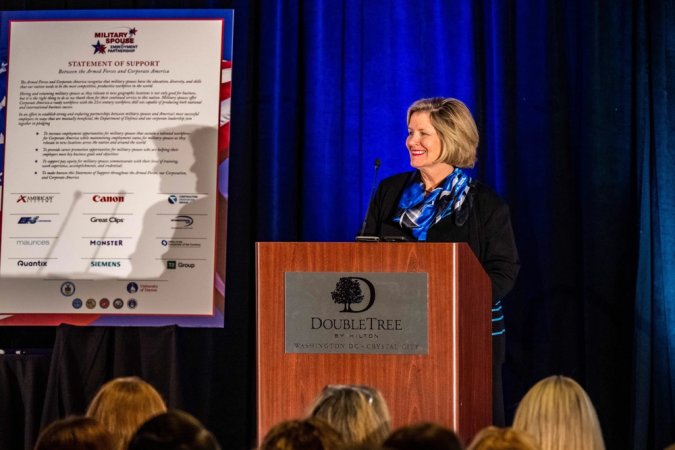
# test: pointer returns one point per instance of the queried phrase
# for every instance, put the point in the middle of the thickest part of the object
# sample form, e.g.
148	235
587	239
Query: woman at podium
439	202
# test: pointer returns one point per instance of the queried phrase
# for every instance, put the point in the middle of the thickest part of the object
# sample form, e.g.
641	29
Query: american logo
34	198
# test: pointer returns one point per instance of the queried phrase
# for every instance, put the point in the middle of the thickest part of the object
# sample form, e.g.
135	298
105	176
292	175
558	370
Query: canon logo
108	198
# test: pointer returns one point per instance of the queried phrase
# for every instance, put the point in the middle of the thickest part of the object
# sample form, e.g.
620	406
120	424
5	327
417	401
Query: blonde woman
494	438
358	413
560	415
440	201
123	404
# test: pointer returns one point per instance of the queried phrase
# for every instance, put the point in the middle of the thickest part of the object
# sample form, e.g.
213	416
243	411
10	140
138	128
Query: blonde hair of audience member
75	433
123	404
308	434
560	415
494	438
357	412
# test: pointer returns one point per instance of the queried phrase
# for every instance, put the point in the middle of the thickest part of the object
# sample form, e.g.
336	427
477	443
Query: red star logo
98	47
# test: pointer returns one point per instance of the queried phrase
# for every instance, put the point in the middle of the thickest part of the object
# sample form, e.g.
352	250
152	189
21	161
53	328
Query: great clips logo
115	41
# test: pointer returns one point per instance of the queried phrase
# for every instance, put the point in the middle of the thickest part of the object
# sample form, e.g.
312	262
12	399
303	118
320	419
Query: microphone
360	236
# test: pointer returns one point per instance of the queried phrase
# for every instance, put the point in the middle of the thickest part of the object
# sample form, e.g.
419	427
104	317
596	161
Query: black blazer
484	223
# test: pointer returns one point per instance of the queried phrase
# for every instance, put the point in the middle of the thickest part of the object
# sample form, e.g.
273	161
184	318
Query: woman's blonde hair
455	127
358	413
560	415
493	438
123	404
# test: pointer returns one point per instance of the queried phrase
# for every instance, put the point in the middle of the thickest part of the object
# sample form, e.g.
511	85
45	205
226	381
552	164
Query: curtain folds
654	376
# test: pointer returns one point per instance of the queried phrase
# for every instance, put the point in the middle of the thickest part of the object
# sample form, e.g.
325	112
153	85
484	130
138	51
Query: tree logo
348	292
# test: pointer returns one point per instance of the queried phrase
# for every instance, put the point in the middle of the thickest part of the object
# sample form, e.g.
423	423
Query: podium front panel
449	385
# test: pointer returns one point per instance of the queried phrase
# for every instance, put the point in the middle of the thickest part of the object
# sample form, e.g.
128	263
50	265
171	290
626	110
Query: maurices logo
348	292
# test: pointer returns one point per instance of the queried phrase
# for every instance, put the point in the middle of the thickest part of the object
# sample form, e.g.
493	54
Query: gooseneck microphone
360	236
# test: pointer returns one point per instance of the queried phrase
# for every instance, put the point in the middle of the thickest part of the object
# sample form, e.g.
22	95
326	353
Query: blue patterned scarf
419	212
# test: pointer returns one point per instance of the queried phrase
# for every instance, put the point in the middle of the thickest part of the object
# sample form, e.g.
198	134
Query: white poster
110	170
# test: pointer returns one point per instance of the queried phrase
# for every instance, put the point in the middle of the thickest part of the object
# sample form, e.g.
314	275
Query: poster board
114	175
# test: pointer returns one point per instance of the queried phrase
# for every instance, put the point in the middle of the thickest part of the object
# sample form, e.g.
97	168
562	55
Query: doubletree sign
325	312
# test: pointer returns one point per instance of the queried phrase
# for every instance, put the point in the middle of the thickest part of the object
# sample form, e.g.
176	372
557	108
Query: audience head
558	413
423	436
123	404
75	433
307	434
358	413
493	438
173	430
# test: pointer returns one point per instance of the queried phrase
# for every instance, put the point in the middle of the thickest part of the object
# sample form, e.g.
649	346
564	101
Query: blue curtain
655	291
571	99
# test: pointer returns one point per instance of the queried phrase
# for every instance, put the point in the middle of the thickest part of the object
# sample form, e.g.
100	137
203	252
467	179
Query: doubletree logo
348	292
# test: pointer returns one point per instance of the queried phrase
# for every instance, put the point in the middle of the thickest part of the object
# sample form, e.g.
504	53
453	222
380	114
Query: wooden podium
451	385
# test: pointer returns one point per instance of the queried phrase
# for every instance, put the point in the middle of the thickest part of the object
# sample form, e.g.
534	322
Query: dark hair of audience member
307	434
423	436
173	430
123	404
75	433
493	438
359	413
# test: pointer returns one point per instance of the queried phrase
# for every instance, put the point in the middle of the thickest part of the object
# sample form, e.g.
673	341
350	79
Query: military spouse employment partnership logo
115	41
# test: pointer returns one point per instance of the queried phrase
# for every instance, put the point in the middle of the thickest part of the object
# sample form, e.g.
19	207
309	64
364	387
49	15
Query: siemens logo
101	243
108	198
105	264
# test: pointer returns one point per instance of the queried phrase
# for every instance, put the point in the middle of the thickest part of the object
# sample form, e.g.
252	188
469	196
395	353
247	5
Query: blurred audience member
123	404
558	413
307	434
358	413
75	433
493	438
173	430
423	436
